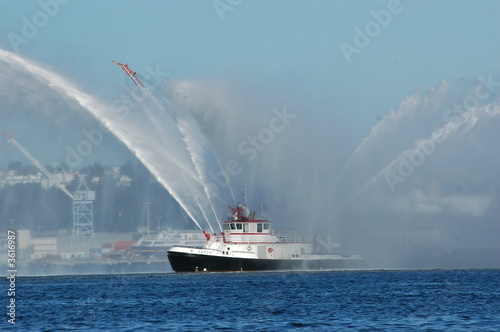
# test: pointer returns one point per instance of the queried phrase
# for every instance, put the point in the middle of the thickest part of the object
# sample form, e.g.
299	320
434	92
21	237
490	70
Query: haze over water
376	202
392	149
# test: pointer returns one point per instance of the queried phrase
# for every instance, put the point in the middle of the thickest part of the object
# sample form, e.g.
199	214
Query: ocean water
430	300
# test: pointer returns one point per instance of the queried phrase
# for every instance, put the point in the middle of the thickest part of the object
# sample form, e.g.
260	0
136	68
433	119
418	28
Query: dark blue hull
185	262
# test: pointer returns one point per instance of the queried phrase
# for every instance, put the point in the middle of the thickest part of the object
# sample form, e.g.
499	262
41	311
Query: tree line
117	208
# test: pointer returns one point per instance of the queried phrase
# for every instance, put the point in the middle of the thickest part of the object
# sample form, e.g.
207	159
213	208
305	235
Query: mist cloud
444	214
424	222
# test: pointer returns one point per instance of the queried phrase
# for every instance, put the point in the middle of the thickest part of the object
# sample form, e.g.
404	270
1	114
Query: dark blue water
330	301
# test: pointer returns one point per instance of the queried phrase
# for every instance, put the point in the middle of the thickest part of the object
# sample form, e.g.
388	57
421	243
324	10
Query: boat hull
192	262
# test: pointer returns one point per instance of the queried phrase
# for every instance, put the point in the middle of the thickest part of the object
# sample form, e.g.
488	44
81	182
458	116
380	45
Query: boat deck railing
262	216
294	237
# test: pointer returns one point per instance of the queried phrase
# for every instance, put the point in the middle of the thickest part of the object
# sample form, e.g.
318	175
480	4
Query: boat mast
245	193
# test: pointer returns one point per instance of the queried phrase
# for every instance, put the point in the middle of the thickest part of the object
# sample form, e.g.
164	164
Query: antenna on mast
245	193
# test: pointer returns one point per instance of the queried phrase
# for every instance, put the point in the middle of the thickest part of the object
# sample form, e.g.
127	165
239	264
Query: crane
83	236
37	164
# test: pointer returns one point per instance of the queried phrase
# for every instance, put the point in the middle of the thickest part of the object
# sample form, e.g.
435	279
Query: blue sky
274	53
424	43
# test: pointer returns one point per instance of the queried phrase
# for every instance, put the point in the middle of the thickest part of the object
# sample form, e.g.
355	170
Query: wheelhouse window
238	226
245	228
259	228
266	226
233	226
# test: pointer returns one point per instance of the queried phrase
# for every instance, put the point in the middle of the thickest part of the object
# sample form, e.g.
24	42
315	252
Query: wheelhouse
242	221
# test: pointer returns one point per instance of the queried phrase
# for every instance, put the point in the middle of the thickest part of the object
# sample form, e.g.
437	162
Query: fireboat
247	243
